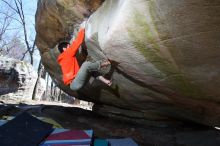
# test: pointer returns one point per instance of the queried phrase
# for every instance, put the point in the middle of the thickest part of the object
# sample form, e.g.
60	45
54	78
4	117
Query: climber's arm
76	43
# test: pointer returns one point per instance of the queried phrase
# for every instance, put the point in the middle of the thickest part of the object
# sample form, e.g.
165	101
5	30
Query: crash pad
68	137
51	121
122	142
24	130
44	119
2	122
100	142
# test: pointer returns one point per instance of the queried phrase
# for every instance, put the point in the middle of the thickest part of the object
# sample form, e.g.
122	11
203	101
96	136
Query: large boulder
17	79
165	55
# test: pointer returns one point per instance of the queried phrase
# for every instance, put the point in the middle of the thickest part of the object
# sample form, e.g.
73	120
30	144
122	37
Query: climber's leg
84	73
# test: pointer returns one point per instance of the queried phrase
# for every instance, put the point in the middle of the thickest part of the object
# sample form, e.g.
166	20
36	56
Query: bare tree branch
5	22
11	16
24	54
4	27
9	5
18	9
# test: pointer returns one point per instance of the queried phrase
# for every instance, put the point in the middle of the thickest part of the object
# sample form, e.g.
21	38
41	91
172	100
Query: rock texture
165	55
17	80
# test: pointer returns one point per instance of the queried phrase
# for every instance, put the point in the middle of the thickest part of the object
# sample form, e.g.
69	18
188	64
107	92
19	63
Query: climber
76	76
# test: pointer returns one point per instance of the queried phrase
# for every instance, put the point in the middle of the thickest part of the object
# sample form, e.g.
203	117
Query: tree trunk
47	85
39	73
59	96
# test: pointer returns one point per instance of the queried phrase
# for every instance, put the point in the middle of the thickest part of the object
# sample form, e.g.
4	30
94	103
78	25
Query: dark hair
62	45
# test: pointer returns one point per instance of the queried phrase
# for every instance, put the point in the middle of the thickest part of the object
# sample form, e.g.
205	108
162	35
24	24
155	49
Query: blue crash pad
122	142
100	142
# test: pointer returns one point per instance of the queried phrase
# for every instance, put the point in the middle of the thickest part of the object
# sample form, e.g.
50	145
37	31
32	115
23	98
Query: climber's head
62	46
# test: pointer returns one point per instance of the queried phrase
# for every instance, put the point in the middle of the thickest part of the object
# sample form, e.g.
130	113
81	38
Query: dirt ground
82	117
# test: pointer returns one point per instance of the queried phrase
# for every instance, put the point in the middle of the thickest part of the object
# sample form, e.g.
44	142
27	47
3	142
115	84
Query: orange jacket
67	59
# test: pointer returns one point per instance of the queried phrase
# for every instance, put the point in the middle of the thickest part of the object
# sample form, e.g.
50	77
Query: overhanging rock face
165	55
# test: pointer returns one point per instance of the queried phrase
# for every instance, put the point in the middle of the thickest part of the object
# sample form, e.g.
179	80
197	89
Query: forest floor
81	117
